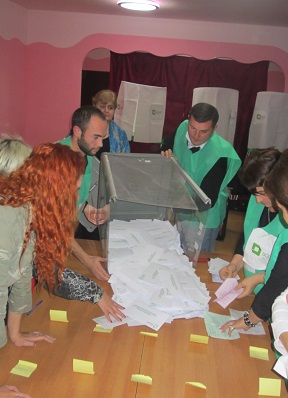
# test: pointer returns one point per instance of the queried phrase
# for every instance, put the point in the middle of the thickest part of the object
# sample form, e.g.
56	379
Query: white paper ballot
147	315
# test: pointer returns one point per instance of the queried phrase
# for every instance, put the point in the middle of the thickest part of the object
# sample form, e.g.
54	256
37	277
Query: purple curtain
181	75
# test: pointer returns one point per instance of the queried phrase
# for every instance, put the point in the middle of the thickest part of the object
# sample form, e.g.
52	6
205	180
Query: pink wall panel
53	74
13	95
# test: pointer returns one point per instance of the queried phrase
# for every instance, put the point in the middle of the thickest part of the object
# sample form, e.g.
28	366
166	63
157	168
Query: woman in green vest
262	223
276	275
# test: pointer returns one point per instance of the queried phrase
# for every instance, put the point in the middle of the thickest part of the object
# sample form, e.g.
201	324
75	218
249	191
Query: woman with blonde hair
13	152
115	140
38	211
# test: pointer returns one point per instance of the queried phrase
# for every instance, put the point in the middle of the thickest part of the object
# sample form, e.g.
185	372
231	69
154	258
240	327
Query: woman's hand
233	325
11	392
249	284
229	271
110	307
29	339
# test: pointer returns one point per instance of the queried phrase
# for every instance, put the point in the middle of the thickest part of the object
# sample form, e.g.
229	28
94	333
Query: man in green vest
86	136
210	161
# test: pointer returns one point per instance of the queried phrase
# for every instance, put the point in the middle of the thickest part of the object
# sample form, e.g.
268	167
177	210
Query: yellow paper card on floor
80	366
197	338
141	379
270	387
24	368
259	353
58	316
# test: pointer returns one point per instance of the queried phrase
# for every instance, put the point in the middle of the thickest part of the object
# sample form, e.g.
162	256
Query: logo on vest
256	249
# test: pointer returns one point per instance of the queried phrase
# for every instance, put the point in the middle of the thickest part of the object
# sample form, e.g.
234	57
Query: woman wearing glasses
262	223
276	274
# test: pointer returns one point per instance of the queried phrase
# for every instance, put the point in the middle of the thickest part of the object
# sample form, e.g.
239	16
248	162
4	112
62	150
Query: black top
276	284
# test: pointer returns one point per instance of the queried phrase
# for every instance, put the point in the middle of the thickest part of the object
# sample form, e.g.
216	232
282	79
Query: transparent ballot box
145	187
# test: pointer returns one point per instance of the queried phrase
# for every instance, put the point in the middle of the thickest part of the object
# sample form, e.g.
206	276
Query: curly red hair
47	183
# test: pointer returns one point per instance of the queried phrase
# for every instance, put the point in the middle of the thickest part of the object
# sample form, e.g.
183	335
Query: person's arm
7	391
212	182
93	263
275	285
280	322
231	270
23	339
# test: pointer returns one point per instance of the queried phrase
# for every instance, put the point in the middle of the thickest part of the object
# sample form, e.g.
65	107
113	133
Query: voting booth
150	187
225	101
269	122
141	111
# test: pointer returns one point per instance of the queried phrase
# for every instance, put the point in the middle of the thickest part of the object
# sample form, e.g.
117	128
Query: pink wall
40	80
54	74
12	83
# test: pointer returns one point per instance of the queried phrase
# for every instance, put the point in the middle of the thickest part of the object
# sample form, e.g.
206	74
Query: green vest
197	165
281	240
86	180
252	218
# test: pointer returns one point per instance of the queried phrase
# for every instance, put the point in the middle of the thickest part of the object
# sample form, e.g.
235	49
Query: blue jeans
209	239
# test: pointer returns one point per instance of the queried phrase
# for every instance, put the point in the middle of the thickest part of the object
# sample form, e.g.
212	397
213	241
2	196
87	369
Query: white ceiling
255	12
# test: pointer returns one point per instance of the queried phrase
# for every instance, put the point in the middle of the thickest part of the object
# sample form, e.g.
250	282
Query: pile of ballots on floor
150	275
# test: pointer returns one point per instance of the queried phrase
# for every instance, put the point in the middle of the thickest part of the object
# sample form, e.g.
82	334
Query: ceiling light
139	5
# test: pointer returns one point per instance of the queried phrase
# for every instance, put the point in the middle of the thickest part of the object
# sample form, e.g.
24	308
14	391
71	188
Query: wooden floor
233	230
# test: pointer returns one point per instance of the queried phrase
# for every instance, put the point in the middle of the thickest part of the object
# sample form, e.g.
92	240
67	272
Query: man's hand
95	216
167	154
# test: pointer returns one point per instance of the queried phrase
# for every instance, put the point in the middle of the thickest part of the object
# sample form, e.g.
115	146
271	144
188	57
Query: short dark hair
257	166
276	183
203	112
81	117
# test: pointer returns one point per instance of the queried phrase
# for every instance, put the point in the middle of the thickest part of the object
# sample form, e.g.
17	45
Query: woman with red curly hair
38	209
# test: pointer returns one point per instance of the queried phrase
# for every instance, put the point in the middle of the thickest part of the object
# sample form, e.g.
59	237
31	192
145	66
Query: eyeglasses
259	193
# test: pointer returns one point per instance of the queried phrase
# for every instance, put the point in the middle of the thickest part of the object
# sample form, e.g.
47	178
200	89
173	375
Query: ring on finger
231	327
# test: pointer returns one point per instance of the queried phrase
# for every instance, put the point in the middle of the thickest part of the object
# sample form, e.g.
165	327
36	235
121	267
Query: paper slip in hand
80	366
227	292
215	265
24	368
147	315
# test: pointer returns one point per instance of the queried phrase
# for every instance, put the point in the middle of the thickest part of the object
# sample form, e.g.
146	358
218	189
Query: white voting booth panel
225	101
269	122
141	111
